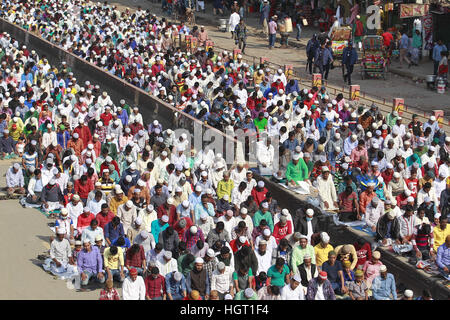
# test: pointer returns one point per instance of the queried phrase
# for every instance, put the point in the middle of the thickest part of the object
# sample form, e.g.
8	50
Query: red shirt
234	247
412	185
364	253
106	118
181	231
84	221
387	38
104	220
83	190
85	135
280	232
153	287
109	295
136	259
259	196
171	213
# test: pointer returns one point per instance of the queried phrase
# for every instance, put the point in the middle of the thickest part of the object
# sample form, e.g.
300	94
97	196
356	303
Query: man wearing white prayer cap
247	294
60	253
198	279
327	191
127	213
293	290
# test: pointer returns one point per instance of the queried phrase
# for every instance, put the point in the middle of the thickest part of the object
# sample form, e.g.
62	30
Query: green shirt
241	296
277	278
298	172
260	124
260	216
297	256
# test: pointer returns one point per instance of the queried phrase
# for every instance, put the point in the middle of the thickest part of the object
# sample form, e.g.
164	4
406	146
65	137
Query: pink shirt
272	27
371	271
356	154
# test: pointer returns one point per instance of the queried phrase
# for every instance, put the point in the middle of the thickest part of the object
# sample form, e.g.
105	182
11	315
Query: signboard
410	10
427	24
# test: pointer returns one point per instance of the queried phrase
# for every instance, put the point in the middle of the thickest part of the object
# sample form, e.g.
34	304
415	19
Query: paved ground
415	94
26	235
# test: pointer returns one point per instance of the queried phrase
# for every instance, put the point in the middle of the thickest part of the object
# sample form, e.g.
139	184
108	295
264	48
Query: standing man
272	31
404	45
233	22
438	48
358	32
322	58
264	18
311	48
349	58
240	32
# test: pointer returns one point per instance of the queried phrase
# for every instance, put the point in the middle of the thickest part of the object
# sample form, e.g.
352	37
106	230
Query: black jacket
301	225
382	228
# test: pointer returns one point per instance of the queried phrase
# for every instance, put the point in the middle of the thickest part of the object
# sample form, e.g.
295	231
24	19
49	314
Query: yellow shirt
258	78
322	253
113	262
439	236
114	204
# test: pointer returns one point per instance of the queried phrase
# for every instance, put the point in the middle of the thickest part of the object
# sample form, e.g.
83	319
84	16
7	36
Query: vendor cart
374	60
339	40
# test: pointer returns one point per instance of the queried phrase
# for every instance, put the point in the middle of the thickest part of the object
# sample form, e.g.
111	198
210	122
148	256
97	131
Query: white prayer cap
266	232
165	218
177	275
261	184
244	210
242	239
408	293
310	212
265	205
297	278
325	237
193	229
248	292
198	260
129	204
210	253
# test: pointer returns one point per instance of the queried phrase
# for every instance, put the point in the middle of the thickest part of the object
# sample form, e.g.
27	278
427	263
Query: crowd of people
133	204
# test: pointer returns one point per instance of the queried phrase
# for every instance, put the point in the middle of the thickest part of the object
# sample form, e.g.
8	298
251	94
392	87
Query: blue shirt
437	52
404	42
382	289
112	233
173	287
443	256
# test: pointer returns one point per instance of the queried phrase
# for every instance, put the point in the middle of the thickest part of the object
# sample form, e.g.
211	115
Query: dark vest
303	275
198	281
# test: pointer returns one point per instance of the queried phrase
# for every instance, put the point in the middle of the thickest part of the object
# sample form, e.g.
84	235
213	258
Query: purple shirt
443	256
90	261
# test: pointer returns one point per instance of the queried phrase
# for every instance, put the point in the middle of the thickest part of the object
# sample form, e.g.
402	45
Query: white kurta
327	192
